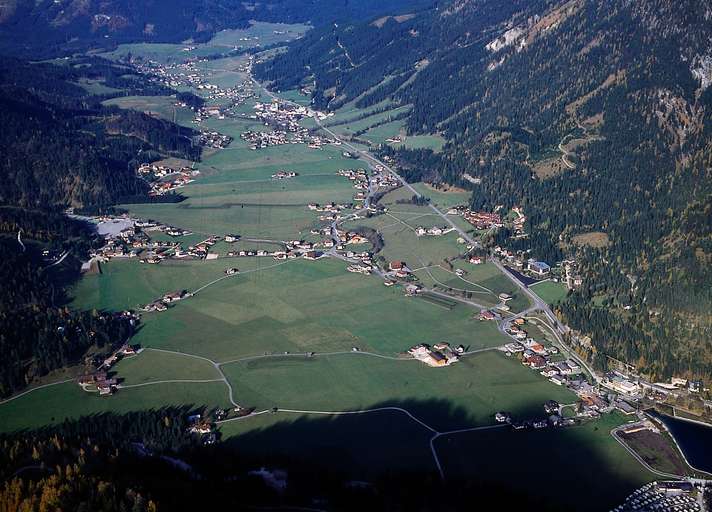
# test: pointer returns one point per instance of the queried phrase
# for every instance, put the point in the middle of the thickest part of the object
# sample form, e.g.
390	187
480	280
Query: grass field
152	366
443	199
298	306
161	106
550	292
52	405
258	34
552	464
473	389
434	142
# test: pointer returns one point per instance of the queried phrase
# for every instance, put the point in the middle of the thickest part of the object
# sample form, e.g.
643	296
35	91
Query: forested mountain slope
51	27
623	87
63	148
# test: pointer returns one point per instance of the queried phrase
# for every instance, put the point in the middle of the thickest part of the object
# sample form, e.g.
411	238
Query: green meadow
272	307
474	388
549	291
54	404
152	366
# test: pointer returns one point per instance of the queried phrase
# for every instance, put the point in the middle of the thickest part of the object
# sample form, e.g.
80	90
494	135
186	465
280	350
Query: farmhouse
487	315
397	265
313	255
434	358
175	296
534	361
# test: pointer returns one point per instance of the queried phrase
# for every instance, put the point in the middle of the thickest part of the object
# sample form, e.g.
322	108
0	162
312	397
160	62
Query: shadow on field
373	461
572	468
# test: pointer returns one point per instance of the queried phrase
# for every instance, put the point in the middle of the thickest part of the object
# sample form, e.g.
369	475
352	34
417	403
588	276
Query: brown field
446	188
549	167
400	19
595	239
657	450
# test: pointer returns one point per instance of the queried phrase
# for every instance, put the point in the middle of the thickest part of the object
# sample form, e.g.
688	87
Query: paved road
19	239
60	260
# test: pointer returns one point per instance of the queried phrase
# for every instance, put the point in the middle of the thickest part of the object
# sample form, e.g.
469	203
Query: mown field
443	199
462	395
161	106
152	366
258	34
297	306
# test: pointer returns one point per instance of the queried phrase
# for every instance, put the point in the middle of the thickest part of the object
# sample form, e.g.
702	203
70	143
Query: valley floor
319	352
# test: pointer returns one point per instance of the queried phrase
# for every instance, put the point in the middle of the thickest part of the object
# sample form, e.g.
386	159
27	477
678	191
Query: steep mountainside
50	27
622	90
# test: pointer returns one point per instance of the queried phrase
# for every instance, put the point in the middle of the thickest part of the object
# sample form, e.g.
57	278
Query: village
164	179
283	118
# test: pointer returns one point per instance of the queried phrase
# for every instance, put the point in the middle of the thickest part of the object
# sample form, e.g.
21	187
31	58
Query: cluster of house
284	118
201	250
160	187
213	139
362	182
132	241
201	427
331	211
440	354
519	261
281	175
482	220
433	231
184	74
188	74
98	379
360	268
553	418
155	171
167	299
538	357
569	274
